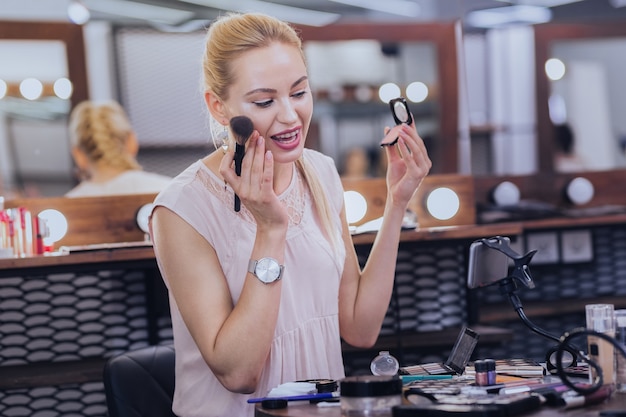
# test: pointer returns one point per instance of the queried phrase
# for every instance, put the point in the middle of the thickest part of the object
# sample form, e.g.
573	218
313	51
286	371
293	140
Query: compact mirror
400	111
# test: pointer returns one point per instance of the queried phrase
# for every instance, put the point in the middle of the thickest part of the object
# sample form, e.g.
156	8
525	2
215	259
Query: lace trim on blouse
294	197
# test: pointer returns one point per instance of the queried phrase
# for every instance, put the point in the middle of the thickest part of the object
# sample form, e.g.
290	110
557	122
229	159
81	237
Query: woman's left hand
408	162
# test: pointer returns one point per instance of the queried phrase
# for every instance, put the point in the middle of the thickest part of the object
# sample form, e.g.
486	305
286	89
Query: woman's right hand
255	186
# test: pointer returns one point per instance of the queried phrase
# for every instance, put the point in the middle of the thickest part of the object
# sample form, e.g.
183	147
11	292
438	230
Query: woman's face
271	87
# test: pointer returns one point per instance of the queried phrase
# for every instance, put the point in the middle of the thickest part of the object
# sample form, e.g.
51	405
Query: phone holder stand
509	286
520	274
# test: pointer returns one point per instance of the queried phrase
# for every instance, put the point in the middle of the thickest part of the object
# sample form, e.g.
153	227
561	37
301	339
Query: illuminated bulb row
442	203
33	89
416	92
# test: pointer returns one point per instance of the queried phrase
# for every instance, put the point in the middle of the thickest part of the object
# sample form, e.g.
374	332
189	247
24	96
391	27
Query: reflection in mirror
580	96
587	98
350	80
33	138
172	136
34	150
348	65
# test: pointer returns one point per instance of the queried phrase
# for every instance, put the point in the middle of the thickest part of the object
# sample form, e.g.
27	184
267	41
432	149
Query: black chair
140	383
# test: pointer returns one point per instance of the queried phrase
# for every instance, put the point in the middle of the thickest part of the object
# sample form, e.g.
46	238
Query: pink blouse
306	342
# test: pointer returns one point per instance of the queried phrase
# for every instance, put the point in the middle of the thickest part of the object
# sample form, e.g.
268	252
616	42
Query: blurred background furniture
140	383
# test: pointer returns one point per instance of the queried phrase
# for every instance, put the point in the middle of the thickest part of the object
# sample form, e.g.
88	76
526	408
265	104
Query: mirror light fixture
417	92
388	91
506	194
443	203
579	191
555	69
143	217
56	225
63	88
78	13
34	89
356	206
31	88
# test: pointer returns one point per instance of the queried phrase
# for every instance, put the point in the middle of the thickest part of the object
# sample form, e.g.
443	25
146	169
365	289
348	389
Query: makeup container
485	372
620	360
600	318
367	395
491	371
384	364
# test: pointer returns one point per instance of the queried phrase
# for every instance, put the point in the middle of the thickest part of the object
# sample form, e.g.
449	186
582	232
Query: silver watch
267	270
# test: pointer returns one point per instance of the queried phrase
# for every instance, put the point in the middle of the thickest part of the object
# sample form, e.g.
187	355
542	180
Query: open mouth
288	137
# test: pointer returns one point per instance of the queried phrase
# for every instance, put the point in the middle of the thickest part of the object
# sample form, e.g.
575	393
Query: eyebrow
271	90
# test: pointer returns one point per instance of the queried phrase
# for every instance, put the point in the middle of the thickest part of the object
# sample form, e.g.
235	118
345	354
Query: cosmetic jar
480	366
369	395
384	364
491	371
485	372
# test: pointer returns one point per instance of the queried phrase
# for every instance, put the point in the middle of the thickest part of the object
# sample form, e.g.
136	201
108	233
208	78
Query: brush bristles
242	128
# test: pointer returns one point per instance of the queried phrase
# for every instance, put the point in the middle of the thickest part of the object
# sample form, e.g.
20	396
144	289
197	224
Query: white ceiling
181	14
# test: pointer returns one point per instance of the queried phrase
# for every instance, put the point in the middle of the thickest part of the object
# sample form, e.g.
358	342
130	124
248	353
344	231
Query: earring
222	137
219	134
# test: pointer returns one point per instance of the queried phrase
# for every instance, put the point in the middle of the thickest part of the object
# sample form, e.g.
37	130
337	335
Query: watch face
267	269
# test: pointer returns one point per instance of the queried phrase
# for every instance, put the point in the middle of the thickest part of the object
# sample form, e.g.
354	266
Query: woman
241	329
104	148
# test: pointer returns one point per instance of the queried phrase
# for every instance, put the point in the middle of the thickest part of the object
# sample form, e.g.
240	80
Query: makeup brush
242	128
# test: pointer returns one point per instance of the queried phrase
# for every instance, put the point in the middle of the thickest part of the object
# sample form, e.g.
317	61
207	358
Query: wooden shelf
110	257
43	374
504	312
448	233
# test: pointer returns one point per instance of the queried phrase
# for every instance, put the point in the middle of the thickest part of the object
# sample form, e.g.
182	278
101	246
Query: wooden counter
108	256
616	402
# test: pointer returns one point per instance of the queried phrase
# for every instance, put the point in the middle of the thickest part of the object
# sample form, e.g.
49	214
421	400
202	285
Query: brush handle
239	152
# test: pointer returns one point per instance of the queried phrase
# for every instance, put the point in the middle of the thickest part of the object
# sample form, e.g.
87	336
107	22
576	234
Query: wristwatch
267	270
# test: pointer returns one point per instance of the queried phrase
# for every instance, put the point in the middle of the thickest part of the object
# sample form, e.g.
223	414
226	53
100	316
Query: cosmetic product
242	128
367	395
480	366
406	379
304	397
491	371
620	359
600	318
401	114
384	364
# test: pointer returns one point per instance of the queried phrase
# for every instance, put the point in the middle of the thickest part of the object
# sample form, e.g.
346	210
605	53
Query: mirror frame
444	36
70	34
545	35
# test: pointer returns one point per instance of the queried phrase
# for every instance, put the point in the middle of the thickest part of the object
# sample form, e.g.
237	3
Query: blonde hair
101	130
229	37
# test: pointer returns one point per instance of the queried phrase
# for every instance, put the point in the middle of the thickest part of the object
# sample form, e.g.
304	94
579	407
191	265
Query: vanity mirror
37	48
348	111
581	95
348	65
